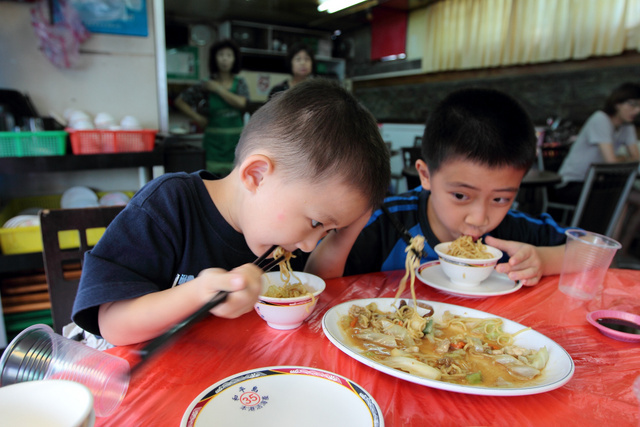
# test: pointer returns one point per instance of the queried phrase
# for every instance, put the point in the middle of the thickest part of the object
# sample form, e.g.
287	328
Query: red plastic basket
111	141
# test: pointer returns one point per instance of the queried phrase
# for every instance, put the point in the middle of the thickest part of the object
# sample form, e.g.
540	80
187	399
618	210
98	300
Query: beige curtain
466	34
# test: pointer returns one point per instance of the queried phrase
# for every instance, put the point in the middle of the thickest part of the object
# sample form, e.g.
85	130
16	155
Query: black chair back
603	196
62	283
409	157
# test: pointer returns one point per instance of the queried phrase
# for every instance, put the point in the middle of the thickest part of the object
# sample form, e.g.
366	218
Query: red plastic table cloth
600	392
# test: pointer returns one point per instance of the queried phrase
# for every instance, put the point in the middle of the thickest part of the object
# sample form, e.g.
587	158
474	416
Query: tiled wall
572	94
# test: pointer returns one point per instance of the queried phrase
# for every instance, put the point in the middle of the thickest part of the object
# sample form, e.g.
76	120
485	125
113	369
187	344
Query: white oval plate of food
284	396
431	274
558	370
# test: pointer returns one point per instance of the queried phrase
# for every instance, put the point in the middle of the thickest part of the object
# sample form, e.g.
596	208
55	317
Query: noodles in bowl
302	288
290	287
289	313
469	263
465	247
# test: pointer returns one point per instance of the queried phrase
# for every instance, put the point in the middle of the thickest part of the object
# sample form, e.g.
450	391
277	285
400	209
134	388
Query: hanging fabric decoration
60	32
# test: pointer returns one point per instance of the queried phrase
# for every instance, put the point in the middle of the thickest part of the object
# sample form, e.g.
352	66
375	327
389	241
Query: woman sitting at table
602	138
301	65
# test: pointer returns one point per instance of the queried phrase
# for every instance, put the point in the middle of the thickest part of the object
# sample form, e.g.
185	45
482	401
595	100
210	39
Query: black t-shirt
169	232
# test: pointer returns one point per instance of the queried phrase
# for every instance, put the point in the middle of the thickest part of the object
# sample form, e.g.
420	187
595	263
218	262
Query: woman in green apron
218	105
301	64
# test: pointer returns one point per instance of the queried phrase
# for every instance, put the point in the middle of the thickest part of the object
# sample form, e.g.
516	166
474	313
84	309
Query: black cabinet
72	162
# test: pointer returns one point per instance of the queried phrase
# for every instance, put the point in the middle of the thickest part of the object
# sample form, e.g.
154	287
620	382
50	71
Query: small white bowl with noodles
467	263
285	303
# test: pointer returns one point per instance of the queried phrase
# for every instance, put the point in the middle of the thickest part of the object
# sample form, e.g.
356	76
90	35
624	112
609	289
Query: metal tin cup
38	353
587	257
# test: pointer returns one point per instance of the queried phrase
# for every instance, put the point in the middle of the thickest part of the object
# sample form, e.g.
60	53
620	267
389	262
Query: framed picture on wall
122	17
182	63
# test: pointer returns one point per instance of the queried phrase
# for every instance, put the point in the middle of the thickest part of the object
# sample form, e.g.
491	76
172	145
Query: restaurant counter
599	393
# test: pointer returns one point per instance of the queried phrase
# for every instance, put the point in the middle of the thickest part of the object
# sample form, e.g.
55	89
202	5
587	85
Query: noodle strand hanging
412	262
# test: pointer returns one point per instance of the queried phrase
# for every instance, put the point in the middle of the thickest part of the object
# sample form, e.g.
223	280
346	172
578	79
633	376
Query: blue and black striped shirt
380	246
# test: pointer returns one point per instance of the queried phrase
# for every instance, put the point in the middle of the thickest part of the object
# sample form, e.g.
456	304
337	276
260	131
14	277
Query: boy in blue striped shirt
477	146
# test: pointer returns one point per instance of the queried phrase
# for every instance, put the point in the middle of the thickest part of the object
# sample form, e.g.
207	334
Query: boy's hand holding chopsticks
240	289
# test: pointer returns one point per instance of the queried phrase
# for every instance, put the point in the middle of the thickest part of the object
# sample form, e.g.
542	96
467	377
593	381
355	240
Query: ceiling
296	13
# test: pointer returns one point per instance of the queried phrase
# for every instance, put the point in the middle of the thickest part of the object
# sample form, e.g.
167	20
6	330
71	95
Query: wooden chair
603	197
62	264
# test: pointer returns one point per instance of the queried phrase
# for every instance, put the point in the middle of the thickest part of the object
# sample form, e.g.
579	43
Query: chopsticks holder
218	298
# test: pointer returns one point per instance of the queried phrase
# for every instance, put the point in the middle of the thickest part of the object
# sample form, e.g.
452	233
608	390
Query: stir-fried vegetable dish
456	349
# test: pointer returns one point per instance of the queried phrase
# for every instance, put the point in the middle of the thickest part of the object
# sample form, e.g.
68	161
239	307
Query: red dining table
600	393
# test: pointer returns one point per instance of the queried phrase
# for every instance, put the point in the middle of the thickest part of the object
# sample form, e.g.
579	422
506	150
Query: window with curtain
467	34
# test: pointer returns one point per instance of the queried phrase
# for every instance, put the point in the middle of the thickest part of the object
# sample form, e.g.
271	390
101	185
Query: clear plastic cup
587	258
38	353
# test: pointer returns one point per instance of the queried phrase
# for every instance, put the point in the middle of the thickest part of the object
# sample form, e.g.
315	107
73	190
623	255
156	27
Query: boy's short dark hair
224	43
484	126
293	51
317	130
622	93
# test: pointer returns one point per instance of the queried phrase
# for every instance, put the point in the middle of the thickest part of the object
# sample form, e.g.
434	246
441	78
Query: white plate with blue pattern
283	396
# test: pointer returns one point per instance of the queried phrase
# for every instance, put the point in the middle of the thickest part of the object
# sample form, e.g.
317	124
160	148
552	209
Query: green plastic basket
17	322
22	144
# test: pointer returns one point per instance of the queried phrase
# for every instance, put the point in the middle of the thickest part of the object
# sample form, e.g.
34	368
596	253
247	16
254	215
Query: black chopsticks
218	298
271	263
406	236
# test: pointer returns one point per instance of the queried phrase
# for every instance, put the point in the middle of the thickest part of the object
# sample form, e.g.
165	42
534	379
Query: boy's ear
254	169
423	172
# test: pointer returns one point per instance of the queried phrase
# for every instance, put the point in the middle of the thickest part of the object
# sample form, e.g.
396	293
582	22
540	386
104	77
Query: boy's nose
477	216
307	245
310	243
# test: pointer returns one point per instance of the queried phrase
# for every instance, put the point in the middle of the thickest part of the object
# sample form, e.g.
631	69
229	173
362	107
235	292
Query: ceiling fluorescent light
335	5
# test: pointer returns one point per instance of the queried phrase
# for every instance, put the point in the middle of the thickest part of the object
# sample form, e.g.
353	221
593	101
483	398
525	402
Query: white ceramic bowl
82	125
104	121
288	313
466	271
115	198
75	116
78	197
130	123
53	403
22	221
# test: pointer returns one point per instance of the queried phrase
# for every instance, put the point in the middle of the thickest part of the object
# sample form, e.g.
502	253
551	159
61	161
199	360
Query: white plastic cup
38	353
587	258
